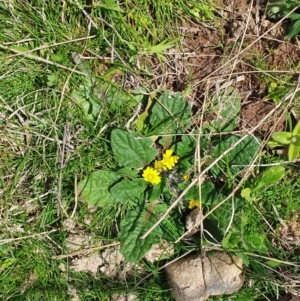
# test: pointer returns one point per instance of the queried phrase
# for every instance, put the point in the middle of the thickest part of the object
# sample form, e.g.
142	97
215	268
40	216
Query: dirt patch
286	55
239	48
290	233
253	112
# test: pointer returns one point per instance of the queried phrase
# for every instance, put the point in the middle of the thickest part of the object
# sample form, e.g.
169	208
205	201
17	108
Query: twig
76	196
40	59
5	241
89	250
136	113
49	46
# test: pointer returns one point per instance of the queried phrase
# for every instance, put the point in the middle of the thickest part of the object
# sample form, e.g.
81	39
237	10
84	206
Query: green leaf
127	172
52	80
272	263
95	188
246	194
282	137
270	176
227	108
57	58
140	122
186	146
209	194
130	151
273	144
293	29
296	130
133	226
171	114
231	240
171	226
185	149
278	9
156	190
114	96
90	105
160	48
7	263
296	140
218	221
244	258
273	174
256	242
293	152
126	190
242	154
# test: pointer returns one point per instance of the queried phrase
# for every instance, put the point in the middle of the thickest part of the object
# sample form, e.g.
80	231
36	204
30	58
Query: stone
160	251
196	277
194	218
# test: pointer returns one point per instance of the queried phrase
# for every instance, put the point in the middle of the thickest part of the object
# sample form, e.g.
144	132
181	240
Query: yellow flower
151	175
194	203
159	165
168	160
186	177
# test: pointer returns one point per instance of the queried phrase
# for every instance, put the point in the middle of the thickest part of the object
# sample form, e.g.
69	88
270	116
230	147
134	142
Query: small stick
40	59
89	250
5	241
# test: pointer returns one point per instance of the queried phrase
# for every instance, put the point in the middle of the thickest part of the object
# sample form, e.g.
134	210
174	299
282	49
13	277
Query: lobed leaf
89	103
169	115
133	226
95	188
227	108
209	194
238	158
126	190
246	194
130	151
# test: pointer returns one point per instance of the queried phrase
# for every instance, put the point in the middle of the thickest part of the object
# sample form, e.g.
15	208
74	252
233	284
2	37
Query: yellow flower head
186	177
168	160
159	165
194	203
151	175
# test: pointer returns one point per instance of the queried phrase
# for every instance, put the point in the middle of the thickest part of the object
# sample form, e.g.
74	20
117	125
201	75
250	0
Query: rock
159	251
196	277
88	264
193	219
75	242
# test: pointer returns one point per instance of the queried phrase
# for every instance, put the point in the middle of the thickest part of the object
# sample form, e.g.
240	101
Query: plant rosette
142	176
144	184
156	163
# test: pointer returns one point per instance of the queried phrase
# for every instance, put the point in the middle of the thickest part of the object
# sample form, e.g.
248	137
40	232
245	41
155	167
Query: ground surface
54	243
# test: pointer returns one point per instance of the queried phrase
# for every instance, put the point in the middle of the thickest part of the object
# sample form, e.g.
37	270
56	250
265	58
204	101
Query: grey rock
196	277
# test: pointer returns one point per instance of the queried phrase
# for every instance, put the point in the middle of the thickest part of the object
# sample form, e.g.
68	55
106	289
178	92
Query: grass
51	137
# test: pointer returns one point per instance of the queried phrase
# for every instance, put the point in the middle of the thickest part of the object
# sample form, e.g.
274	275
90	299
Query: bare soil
245	43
